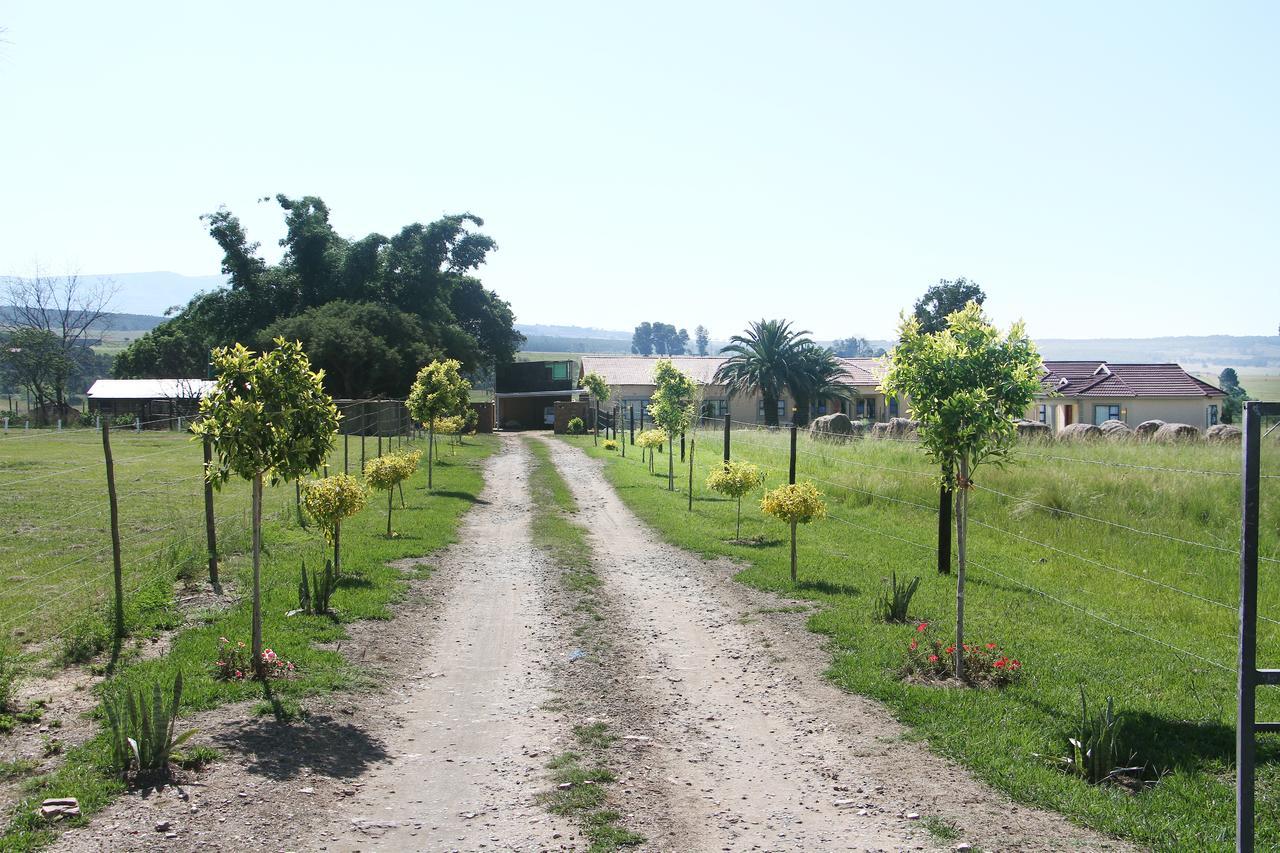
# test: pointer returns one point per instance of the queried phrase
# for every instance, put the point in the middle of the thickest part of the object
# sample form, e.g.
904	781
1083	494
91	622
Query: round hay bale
1079	432
1116	430
880	430
1032	430
1147	429
1224	434
902	428
1172	433
833	427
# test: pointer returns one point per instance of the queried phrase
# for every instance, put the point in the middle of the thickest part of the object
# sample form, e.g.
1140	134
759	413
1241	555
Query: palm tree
817	375
764	360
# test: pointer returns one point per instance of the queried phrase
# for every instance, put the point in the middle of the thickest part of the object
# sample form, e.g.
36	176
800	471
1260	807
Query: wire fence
842	467
56	545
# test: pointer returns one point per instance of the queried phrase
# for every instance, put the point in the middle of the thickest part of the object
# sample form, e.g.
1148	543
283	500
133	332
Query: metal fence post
727	421
1250	677
792	475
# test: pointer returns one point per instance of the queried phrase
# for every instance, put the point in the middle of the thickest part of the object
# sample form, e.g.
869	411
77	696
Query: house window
715	408
1042	413
871	410
1211	416
782	410
822	407
559	371
1102	414
893	407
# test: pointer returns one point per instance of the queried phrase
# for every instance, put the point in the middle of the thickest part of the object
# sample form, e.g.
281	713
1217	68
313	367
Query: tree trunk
945	497
400	488
738	532
390	505
595	428
431	446
793	552
962	533
256	643
337	548
770	411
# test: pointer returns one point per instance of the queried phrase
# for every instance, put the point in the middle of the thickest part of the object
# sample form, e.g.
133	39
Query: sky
1101	169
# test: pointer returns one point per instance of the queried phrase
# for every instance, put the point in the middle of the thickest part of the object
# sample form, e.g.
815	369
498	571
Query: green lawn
366	590
1146	619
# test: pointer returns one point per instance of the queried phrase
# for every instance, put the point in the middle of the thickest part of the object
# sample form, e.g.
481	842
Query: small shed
155	402
526	392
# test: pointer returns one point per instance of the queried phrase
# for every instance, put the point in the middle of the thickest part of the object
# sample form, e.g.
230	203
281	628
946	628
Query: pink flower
239	674
933	658
1000	663
221	663
913	645
922	626
991	646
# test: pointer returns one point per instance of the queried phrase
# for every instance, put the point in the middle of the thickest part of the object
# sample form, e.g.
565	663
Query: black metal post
631	419
727	417
792	476
1250	677
682	446
946	498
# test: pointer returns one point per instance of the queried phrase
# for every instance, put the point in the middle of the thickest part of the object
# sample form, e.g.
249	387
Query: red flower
1000	663
913	645
950	649
933	658
991	645
1014	665
922	626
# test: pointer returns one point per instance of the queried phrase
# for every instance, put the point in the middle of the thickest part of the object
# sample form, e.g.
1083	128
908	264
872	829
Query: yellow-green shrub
797	503
610	444
329	501
735	480
650	440
387	472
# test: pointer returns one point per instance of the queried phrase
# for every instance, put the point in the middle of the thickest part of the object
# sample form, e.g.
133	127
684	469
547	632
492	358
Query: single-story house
526	392
148	400
1098	391
631	378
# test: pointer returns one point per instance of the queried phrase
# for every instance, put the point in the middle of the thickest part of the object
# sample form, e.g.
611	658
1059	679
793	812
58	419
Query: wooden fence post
210	525
117	572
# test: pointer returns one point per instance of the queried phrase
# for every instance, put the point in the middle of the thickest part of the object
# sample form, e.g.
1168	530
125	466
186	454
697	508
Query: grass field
54	502
1123	608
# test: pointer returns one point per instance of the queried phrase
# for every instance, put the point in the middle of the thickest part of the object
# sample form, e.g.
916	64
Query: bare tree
57	314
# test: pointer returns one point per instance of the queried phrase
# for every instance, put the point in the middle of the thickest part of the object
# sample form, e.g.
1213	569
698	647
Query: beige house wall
1133	411
747	408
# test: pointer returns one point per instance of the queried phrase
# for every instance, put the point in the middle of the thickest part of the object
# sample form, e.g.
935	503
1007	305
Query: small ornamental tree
736	480
673	406
797	503
600	391
452	426
384	473
438	392
328	502
966	384
651	440
267	416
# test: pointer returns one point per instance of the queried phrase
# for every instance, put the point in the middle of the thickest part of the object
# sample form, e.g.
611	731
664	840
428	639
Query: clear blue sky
1102	169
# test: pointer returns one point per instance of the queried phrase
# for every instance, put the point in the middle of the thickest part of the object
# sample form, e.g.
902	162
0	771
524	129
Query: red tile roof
1105	379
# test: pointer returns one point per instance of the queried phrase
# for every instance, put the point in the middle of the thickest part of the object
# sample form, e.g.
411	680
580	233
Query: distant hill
111	322
584	332
556	343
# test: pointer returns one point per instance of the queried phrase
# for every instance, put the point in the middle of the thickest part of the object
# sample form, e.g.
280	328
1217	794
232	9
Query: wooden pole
682	445
793	552
692	441
631	419
116	569
210	525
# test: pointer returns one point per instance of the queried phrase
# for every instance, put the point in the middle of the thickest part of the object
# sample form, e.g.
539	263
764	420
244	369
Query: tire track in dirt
770	755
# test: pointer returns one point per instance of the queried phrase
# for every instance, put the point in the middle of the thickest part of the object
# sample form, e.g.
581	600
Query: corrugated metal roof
149	389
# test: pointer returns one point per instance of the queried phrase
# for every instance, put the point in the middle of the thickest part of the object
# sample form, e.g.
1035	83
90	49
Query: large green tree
816	375
944	299
763	360
967	385
426	272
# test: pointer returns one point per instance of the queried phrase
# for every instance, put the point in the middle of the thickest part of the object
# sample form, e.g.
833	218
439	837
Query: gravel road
728	736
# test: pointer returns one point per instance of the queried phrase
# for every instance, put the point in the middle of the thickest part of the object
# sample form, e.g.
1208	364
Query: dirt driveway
729	738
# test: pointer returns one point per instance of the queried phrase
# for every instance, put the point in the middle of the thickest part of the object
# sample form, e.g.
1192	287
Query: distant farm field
1110	566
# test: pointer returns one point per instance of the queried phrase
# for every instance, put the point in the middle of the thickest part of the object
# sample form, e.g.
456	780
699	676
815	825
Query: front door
1068	415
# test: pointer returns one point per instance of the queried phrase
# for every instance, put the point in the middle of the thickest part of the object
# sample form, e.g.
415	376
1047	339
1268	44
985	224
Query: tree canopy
659	338
855	347
764	360
414	292
944	299
702	338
